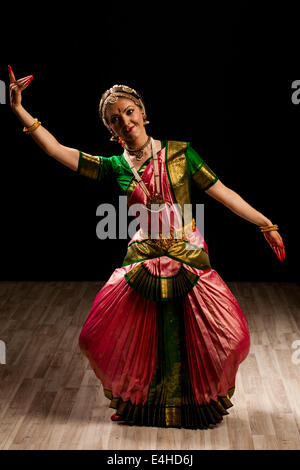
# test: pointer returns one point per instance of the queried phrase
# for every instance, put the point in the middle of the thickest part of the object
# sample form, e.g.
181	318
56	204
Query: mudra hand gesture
16	87
276	243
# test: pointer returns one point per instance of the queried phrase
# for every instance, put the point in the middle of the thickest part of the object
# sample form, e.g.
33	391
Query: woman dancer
165	335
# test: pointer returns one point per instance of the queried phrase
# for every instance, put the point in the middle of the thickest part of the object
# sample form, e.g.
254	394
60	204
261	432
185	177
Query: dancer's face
126	119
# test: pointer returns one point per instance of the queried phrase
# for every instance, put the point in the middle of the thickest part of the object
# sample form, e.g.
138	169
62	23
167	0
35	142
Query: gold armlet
32	128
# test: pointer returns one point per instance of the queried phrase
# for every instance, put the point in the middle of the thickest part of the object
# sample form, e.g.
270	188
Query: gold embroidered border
130	189
90	166
177	172
204	177
140	251
189	415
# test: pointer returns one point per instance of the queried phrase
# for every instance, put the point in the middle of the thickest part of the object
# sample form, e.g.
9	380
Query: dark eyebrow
113	115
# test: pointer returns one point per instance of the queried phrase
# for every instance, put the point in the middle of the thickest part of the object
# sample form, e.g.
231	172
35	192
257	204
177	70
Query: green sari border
169	256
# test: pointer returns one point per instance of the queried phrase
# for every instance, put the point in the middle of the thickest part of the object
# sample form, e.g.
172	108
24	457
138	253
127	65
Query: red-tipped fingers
282	251
277	246
281	254
11	74
29	77
25	82
25	85
276	251
25	79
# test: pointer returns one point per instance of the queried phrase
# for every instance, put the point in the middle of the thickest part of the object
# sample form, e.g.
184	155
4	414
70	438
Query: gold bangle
32	128
268	228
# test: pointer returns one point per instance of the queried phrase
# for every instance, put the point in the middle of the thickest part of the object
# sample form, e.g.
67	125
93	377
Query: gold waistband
166	239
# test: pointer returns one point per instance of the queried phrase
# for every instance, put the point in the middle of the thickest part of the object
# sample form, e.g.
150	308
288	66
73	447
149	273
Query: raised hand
276	243
16	87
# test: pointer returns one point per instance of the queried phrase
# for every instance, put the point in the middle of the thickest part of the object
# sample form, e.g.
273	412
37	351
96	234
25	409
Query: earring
114	137
145	119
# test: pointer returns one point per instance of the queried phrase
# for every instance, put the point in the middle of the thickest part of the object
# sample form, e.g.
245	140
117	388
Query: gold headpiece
112	95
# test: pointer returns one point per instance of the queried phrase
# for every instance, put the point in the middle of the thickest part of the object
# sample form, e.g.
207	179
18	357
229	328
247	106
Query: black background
217	75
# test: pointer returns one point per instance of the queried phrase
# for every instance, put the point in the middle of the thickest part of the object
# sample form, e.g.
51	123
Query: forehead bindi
120	106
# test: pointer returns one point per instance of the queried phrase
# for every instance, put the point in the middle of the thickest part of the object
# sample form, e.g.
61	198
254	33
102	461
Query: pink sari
168	361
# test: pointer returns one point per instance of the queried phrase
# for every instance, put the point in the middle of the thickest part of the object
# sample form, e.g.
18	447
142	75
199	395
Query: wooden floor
51	399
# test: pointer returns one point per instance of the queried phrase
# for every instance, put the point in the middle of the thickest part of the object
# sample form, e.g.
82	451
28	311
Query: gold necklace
157	197
139	152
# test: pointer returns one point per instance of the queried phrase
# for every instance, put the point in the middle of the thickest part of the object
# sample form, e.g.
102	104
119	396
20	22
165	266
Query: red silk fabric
120	335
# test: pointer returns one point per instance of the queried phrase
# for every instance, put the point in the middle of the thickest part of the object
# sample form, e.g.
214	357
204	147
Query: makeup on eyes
128	111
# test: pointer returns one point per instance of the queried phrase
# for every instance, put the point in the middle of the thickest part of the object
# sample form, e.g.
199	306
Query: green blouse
98	167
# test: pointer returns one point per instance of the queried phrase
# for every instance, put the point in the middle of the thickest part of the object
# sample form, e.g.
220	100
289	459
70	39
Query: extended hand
16	87
276	243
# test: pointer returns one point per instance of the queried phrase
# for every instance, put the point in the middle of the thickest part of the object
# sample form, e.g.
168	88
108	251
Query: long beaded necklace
157	197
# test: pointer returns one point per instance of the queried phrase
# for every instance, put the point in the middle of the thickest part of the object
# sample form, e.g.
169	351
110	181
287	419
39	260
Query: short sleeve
199	171
94	167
